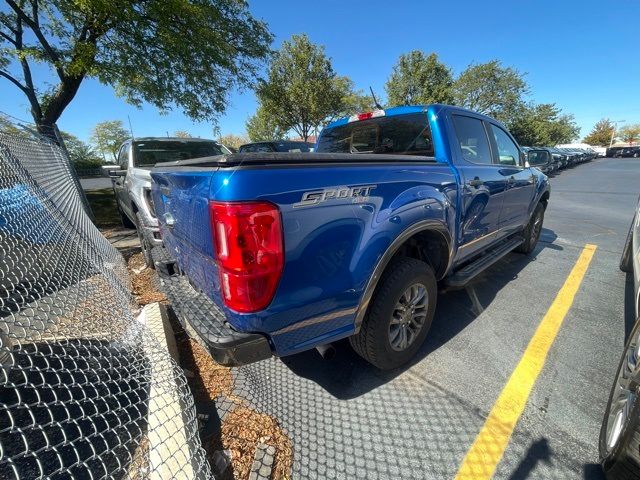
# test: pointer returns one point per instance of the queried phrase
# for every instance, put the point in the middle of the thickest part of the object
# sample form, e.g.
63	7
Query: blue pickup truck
272	254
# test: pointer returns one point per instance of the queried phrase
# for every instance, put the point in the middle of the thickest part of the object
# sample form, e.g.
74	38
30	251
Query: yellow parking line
489	446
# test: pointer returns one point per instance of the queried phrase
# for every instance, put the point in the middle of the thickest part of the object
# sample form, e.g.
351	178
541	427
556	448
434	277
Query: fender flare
422	226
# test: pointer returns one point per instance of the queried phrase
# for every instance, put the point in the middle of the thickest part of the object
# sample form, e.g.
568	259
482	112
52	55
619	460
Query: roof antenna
130	127
375	100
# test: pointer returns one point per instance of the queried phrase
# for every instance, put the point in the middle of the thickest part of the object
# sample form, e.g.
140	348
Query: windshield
401	134
147	154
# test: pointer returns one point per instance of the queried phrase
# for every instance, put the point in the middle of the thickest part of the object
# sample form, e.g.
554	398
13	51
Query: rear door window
472	139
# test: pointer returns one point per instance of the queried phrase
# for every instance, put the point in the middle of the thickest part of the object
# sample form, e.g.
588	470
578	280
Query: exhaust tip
327	352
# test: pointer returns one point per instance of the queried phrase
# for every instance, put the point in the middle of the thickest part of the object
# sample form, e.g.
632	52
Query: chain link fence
86	390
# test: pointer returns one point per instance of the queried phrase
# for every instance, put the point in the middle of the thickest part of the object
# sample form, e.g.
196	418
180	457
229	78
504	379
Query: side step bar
463	276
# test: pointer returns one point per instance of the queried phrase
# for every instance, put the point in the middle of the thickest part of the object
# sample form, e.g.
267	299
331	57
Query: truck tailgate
181	201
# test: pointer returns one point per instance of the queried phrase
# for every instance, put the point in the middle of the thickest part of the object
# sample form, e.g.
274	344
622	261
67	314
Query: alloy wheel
408	317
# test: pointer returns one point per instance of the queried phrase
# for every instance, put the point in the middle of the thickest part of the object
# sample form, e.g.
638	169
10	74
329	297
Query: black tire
622	461
126	222
144	244
532	231
626	260
373	341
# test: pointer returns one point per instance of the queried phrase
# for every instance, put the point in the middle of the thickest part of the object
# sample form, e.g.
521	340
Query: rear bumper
152	235
204	321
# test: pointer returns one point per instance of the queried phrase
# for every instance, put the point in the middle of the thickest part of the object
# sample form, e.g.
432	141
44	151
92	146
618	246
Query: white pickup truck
132	180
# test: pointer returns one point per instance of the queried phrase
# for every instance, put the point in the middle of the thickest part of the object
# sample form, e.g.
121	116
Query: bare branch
29	90
13	80
8	38
34	25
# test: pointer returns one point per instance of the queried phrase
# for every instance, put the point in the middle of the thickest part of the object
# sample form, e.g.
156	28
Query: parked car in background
276	146
600	151
612	151
630	152
560	158
132	179
620	432
289	252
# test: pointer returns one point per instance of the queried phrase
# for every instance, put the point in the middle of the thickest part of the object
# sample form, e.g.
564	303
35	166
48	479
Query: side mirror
538	157
117	173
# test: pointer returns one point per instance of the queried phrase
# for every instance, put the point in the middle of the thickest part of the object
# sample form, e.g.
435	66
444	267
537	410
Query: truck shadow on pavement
347	375
346	416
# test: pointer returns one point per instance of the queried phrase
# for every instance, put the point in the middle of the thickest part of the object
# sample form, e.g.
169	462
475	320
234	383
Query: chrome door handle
476	182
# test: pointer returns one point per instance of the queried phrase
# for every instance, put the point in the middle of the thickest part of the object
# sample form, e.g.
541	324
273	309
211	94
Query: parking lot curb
172	449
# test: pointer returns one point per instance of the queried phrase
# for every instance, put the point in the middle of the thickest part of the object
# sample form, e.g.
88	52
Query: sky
579	54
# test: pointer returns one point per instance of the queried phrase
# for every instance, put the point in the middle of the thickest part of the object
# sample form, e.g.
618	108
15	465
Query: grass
104	208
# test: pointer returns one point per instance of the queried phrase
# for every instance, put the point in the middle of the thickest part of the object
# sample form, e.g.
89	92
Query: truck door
119	186
483	186
520	181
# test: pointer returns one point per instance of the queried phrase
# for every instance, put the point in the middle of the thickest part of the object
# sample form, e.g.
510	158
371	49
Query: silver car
620	432
132	181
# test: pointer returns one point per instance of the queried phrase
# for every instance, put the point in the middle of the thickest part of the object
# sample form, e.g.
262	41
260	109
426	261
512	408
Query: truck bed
275	158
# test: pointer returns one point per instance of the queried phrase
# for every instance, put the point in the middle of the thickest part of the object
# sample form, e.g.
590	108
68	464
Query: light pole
613	132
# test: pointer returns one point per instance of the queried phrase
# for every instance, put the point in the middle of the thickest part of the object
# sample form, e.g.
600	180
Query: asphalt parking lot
349	420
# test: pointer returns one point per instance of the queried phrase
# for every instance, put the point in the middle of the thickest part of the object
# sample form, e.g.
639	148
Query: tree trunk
63	95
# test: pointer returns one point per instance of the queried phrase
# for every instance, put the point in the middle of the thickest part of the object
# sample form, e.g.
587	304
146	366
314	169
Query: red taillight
247	239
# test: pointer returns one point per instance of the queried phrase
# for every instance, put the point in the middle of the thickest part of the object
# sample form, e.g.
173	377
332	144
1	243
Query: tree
629	133
233	141
108	136
262	127
353	101
8	127
419	79
188	53
182	134
80	154
601	134
302	89
542	125
491	89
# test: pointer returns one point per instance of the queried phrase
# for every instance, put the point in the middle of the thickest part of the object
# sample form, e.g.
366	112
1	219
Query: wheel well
545	199
431	247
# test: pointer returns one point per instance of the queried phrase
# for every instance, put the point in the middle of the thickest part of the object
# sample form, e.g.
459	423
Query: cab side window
123	157
508	151
472	138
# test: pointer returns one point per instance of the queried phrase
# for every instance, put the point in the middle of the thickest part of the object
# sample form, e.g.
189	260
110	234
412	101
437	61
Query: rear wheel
400	315
620	432
532	231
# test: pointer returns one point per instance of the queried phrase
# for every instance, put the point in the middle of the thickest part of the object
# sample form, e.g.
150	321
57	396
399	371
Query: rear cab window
406	134
301	147
148	153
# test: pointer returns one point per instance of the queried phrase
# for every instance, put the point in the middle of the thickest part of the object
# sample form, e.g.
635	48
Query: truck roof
402	110
171	139
407	109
